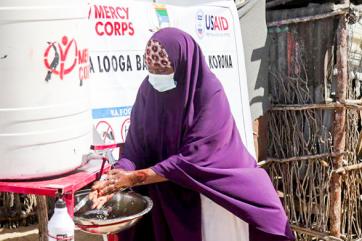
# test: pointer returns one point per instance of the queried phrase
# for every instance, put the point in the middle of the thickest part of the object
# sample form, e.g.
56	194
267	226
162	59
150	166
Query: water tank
45	120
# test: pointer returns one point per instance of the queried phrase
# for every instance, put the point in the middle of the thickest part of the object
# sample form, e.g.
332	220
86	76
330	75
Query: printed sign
111	20
120	31
211	24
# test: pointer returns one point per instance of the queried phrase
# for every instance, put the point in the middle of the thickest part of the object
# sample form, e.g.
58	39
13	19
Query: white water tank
45	120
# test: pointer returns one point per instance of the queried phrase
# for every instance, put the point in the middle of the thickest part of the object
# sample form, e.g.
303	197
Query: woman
184	142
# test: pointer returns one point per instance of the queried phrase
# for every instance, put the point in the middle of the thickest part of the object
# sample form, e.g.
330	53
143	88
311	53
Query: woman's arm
146	176
117	180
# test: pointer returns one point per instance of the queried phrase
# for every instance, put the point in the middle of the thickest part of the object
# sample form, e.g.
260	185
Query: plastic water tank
45	120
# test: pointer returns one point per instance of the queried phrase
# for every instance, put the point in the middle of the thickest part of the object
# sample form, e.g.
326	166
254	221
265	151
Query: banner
119	33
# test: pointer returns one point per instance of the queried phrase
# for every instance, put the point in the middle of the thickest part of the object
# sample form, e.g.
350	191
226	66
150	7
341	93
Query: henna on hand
121	179
137	177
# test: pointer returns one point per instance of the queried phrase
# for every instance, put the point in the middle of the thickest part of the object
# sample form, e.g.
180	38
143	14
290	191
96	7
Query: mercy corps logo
62	58
210	24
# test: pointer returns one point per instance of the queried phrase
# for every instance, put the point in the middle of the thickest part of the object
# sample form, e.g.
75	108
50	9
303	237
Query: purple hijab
188	135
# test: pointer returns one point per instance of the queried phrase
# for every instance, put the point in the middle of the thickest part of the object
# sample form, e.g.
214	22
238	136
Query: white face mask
162	82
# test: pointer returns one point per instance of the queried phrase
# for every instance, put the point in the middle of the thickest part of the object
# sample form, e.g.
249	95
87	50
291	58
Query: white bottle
61	225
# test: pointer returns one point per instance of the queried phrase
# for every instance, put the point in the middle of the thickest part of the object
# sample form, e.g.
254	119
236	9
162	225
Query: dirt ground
31	234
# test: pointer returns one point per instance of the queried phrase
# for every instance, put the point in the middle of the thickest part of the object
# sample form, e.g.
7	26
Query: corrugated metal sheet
311	10
311	43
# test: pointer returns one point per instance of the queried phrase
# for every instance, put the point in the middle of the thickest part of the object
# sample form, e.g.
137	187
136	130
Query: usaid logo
211	24
200	24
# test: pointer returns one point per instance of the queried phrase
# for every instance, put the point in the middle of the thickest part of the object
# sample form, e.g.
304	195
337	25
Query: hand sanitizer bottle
61	225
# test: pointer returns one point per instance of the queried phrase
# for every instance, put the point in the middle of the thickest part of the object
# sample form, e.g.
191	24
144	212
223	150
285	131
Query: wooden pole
321	106
340	127
42	213
306	19
345	169
300	158
314	233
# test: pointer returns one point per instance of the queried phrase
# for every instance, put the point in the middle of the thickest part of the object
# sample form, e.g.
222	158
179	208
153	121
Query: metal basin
119	213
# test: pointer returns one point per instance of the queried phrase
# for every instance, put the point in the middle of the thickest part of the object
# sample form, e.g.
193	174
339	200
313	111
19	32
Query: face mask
162	82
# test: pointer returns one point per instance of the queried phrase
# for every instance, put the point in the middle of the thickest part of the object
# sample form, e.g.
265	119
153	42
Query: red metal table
68	184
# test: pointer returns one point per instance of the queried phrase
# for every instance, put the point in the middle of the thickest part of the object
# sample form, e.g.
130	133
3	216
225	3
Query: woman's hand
116	180
98	201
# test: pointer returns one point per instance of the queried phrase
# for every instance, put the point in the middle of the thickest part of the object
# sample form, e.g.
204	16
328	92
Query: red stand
68	184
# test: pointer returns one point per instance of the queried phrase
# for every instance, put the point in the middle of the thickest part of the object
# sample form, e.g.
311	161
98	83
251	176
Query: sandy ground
31	234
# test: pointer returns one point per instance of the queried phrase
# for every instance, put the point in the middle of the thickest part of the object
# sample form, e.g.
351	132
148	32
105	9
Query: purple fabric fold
125	164
188	135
